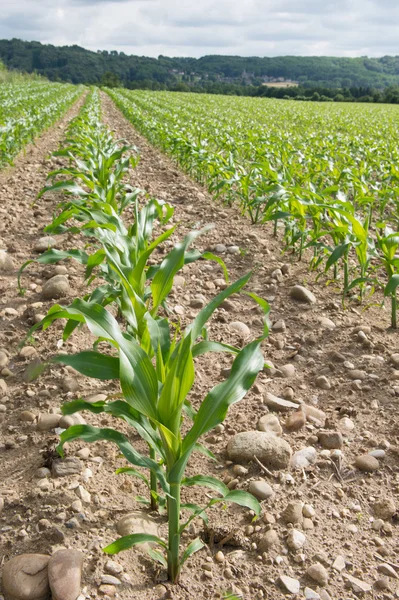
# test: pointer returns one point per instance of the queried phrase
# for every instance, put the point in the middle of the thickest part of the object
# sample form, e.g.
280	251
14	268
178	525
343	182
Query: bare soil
36	515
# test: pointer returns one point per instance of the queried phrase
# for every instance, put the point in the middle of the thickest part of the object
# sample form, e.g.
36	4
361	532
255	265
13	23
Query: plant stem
153	484
174	532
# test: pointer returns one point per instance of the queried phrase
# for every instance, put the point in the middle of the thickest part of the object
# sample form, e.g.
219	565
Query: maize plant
27	108
155	399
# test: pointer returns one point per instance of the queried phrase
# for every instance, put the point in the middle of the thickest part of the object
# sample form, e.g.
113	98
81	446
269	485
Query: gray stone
302	459
25	577
384	508
113	568
292	513
367	463
271	450
358	585
47	421
44	243
110	580
67	466
83	494
322	382
339	563
65	573
240	328
286	371
311	594
270	423
6	262
56	287
261	489
4	360
279	404
299	292
318	573
289	584
296	539
330	439
268	540
137	522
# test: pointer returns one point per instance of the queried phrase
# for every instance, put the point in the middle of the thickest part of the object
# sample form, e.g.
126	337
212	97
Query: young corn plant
155	399
388	246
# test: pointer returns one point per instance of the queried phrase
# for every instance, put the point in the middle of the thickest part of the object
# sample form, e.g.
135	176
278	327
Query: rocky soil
316	440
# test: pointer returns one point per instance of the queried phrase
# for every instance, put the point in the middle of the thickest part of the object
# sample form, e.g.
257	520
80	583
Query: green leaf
133	473
128	541
193	547
242	498
207	481
158	557
391	286
94	434
92	364
205	314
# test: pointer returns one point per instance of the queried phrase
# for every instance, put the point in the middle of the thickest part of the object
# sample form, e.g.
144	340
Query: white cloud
179	28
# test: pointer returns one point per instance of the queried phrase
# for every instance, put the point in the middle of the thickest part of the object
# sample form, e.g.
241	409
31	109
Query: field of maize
210	354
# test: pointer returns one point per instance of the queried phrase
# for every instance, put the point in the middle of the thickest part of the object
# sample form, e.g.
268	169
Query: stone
358	585
70	384
302	459
302	294
220	248
110	580
322	382
357	374
83	494
366	463
382	584
137	522
386	569
113	568
339	563
292	513
25	577
295	539
279	404
279	326
307	524
346	425
56	287
27	417
330	439
318	573
240	328
47	421
42	473
6	262
44	243
260	489
289	584
65	573
286	371
270	423
268	540
65	467
295	421
311	594
1	504
326	323
272	451
384	508
109	591
4	360
308	511
314	415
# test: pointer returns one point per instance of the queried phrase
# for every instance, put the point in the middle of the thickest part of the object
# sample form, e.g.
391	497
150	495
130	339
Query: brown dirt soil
37	512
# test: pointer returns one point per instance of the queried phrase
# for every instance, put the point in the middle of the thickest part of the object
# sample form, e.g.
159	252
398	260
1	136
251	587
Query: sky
200	27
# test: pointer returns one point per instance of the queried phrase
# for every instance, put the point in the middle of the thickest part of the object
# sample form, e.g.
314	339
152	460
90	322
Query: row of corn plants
325	175
27	108
135	342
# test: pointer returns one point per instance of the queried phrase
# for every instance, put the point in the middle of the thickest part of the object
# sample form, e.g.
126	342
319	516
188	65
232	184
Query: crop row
135	343
26	109
325	175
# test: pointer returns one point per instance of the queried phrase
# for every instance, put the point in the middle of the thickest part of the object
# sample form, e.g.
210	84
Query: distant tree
110	80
